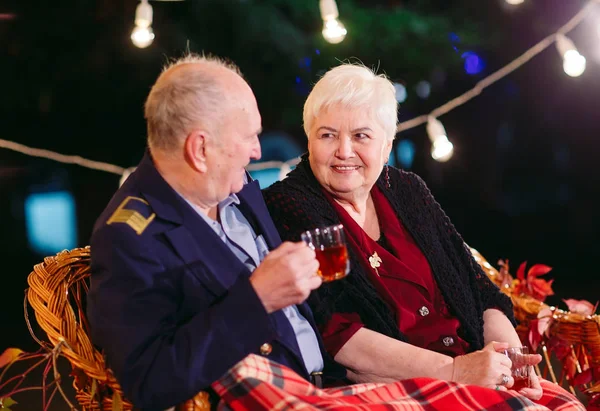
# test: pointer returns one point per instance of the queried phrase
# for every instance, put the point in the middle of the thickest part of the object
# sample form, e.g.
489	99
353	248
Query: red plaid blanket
259	384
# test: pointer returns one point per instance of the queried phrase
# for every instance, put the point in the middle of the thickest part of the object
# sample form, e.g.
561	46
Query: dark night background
522	183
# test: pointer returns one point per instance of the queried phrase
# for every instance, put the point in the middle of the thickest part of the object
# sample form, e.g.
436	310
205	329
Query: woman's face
348	149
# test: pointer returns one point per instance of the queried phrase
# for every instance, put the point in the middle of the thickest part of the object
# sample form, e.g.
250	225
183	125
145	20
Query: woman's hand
487	368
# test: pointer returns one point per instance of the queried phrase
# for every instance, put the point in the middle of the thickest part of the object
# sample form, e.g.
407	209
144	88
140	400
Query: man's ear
195	150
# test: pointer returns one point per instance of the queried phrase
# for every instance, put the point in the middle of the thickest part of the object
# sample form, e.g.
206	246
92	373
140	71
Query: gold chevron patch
131	217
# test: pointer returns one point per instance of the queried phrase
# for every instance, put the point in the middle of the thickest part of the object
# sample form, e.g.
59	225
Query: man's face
237	143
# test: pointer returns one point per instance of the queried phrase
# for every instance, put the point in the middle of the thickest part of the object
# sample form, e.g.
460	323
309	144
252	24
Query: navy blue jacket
170	304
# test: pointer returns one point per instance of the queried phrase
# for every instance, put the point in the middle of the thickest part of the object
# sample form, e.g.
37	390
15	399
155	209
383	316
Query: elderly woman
415	302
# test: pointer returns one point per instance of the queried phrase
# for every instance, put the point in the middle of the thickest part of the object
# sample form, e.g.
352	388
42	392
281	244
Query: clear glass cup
329	244
520	367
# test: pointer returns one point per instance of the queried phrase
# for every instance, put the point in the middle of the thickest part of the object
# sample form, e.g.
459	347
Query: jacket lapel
253	206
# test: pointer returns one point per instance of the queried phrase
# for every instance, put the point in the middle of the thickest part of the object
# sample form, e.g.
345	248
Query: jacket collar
163	200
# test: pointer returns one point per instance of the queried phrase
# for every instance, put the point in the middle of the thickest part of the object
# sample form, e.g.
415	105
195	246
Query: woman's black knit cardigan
298	204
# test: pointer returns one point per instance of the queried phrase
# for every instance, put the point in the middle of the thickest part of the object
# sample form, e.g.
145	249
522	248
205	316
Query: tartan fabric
257	383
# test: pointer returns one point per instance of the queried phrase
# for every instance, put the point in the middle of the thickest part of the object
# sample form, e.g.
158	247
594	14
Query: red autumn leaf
559	347
570	367
580	306
539	288
9	355
538	269
583	378
521	271
519	288
544	320
534	337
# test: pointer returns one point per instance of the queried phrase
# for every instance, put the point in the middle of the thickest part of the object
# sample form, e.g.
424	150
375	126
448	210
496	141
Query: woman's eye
326	135
361	136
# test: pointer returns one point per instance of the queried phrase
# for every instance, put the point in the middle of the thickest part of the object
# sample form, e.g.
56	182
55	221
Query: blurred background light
473	64
401	93
50	222
405	153
423	89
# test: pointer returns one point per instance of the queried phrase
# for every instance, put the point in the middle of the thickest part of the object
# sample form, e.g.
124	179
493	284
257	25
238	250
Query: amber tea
330	247
333	262
520	367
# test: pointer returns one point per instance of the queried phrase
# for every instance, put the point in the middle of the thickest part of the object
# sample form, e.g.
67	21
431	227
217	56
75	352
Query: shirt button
266	349
424	311
448	341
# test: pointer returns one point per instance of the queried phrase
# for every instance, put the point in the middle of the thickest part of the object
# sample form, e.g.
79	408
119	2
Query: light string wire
406	125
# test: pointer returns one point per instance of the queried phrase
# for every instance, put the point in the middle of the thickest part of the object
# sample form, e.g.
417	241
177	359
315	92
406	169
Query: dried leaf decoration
9	355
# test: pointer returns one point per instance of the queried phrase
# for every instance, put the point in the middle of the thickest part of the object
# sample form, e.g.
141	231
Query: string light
573	62
501	73
441	148
142	35
334	31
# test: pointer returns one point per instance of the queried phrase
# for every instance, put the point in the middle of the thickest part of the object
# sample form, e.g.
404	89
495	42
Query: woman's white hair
354	86
179	102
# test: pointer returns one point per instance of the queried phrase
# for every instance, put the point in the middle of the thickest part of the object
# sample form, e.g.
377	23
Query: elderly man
183	284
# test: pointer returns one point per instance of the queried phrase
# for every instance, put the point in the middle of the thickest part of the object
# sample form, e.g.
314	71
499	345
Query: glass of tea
329	244
520	367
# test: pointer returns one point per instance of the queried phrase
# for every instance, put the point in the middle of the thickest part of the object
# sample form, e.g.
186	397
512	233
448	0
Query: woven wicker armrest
57	290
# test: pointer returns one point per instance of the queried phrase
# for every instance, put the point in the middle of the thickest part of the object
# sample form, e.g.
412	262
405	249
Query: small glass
520	367
329	244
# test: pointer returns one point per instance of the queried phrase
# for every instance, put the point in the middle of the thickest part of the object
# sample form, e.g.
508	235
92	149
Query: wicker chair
57	290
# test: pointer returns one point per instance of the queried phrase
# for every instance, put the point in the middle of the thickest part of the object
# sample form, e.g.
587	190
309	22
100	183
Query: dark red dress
403	279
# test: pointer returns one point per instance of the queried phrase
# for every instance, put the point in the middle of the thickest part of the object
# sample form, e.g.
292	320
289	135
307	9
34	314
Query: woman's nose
345	149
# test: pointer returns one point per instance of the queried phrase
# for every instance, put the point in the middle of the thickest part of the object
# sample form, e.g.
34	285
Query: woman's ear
195	150
387	149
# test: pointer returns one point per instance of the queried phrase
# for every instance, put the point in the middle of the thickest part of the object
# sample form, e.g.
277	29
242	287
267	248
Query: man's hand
286	276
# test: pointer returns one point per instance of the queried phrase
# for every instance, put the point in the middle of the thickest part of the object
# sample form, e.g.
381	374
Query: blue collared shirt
235	231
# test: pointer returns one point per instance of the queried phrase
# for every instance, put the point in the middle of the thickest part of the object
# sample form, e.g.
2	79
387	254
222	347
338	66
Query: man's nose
256	151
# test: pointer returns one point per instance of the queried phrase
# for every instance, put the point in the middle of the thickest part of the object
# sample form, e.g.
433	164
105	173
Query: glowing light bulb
142	37
573	63
441	148
334	31
515	2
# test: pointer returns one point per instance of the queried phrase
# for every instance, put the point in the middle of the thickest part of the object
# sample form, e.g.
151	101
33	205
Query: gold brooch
375	262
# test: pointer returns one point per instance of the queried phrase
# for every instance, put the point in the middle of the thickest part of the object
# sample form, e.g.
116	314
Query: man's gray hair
178	103
354	86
